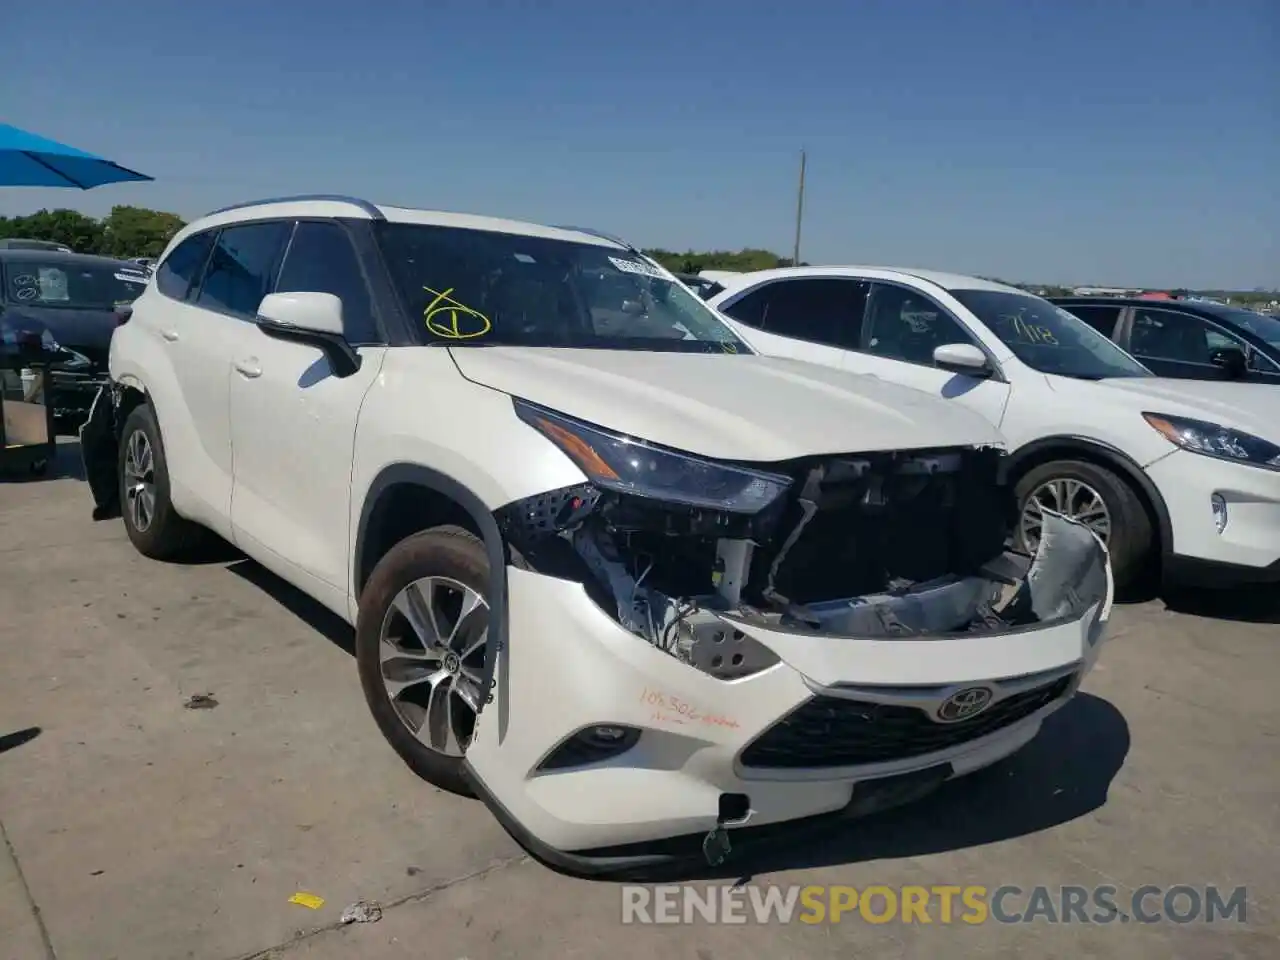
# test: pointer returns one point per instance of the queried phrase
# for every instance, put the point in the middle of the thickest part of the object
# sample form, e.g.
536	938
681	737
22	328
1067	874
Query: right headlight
614	462
1215	440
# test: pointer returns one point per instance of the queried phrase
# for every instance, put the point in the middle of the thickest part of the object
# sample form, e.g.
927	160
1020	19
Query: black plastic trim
412	473
1114	457
599	235
343	359
575	752
397	330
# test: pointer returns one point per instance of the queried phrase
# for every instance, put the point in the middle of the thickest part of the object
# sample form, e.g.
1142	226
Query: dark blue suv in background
1187	339
68	302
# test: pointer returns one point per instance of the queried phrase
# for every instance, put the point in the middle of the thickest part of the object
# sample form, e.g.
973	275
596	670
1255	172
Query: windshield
79	286
1048	338
1259	324
483	288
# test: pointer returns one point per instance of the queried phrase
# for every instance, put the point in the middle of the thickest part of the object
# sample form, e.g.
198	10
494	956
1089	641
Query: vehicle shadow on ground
1248	604
1260	604
1063	774
317	616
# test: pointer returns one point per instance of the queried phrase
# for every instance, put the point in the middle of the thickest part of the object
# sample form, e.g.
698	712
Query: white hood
1251	407
732	407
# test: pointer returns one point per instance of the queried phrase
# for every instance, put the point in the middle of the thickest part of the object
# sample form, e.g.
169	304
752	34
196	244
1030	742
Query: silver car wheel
140	481
1072	498
431	655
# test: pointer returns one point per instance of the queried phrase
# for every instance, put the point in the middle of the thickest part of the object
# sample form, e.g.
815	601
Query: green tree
138	232
125	232
70	227
741	261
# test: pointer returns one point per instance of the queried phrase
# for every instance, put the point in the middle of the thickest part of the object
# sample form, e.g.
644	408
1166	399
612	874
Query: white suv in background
1177	473
634	585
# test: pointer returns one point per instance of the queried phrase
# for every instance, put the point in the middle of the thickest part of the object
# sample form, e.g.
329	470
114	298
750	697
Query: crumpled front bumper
834	699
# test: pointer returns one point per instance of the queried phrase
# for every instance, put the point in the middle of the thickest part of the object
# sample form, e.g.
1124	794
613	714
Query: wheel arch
130	392
1070	447
434	499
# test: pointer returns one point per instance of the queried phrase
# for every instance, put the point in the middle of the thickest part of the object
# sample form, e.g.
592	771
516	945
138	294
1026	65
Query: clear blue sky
1069	141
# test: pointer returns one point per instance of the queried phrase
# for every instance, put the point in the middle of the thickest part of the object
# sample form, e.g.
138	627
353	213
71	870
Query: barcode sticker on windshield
639	267
131	277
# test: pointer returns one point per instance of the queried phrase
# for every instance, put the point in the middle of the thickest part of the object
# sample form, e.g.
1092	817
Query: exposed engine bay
884	544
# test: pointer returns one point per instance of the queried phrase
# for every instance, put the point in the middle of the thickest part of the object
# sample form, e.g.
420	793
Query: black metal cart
28	439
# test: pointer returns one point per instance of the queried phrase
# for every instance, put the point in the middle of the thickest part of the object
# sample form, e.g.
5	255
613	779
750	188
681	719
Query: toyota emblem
964	704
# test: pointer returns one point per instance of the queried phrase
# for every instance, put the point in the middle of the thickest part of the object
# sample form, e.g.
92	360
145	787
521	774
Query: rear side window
749	309
175	276
322	260
242	268
820	310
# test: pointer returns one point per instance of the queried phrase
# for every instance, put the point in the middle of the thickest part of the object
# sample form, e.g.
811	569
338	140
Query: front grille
834	732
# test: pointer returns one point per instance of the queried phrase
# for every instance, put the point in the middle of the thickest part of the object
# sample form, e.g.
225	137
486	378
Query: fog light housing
1219	503
593	744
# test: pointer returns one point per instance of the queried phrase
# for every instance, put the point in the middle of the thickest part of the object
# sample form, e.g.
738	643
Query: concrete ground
138	829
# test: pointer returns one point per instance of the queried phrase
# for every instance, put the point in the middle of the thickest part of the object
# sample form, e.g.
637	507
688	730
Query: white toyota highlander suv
637	587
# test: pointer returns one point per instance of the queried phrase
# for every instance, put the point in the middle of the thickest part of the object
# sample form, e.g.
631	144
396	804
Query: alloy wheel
431	658
1072	498
140	481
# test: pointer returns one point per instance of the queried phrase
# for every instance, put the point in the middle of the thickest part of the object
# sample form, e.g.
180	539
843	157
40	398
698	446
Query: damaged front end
689	554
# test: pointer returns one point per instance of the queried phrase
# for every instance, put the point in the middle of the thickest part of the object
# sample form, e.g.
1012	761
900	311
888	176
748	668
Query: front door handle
170	335
249	368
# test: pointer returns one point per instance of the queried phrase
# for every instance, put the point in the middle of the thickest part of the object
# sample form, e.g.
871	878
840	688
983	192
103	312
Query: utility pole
795	258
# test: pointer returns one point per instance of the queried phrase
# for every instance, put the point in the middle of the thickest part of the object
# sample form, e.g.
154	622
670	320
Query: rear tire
1131	540
153	526
392	654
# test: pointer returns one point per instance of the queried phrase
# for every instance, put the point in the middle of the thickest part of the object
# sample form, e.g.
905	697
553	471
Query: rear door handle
249	368
170	335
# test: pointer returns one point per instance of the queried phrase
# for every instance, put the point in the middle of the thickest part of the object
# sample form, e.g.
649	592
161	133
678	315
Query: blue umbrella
30	161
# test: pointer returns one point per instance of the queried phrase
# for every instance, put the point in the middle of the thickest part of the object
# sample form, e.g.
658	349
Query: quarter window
322	260
242	268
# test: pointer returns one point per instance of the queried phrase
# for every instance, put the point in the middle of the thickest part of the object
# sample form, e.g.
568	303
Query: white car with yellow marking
636	586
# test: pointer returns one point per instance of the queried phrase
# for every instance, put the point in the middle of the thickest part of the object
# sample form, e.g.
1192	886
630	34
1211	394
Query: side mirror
1231	360
311	318
962	358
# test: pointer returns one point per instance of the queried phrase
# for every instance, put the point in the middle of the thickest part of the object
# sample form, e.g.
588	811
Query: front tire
150	520
421	638
1096	497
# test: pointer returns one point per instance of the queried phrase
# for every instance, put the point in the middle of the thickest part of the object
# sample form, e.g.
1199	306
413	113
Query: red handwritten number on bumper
672	709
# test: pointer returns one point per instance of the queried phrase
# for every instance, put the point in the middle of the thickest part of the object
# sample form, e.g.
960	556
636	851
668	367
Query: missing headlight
905	544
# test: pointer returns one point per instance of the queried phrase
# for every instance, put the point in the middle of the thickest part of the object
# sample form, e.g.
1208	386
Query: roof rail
602	235
373	212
